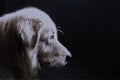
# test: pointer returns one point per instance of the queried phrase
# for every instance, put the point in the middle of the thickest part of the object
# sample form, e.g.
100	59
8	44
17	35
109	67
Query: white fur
47	46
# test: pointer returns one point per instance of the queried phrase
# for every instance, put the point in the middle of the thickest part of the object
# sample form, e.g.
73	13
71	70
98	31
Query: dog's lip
65	62
61	64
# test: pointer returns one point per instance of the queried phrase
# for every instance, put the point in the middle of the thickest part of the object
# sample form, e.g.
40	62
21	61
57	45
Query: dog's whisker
58	27
60	31
59	67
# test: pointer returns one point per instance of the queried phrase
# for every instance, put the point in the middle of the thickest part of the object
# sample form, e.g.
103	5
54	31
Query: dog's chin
54	64
58	64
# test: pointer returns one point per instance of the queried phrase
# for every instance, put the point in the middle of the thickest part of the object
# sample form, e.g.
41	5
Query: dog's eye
45	41
51	37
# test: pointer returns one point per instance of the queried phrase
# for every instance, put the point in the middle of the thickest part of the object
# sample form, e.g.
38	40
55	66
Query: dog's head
38	34
40	38
51	50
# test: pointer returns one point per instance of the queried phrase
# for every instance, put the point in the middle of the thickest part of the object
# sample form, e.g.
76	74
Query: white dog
29	35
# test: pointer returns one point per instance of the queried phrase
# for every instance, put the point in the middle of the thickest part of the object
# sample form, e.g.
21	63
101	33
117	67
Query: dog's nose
64	49
68	54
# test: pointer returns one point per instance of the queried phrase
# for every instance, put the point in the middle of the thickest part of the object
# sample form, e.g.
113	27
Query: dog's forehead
49	27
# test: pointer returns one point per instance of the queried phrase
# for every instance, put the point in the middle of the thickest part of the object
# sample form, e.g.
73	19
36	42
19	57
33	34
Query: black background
91	33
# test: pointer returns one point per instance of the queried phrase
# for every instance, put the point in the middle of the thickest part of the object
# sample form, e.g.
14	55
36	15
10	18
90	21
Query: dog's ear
37	24
28	30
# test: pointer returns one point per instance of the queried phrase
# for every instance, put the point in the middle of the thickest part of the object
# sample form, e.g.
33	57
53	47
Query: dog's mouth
54	63
57	64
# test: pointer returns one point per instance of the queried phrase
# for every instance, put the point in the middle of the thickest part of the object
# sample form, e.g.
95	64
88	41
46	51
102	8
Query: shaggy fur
29	35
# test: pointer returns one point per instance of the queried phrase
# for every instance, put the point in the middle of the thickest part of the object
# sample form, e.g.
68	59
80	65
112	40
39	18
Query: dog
28	37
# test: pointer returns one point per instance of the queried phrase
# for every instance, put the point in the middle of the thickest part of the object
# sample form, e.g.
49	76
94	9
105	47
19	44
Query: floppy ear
28	30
